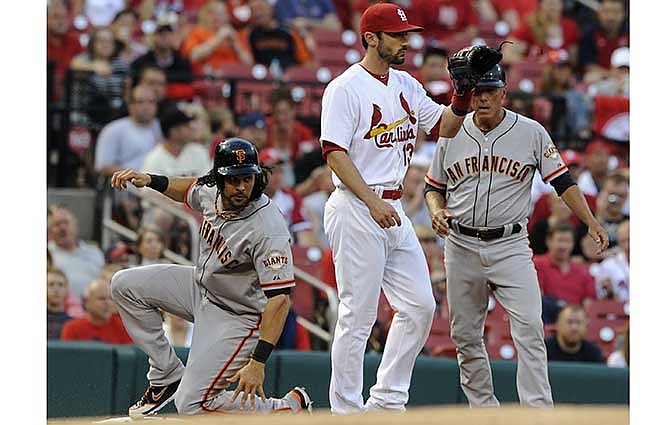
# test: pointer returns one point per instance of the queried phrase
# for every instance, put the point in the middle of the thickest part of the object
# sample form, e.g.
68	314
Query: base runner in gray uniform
237	295
478	195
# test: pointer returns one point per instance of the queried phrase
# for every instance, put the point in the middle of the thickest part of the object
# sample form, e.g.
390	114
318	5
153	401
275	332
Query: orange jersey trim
277	283
188	190
428	180
554	173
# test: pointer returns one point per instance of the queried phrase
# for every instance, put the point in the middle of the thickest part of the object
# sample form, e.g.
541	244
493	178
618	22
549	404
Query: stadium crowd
155	84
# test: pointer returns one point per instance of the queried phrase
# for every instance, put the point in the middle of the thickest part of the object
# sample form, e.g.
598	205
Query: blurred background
155	84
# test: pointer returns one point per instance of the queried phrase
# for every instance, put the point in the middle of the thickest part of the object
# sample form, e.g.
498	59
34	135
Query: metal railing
112	227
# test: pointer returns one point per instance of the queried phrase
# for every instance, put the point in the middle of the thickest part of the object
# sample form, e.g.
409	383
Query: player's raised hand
384	213
599	236
251	378
121	178
438	220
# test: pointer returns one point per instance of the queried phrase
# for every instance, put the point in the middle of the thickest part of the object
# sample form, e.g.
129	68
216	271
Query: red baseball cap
270	156
385	17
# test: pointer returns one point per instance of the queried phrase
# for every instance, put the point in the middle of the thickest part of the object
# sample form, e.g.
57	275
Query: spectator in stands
621	357
434	76
164	55
412	195
157	8
108	76
543	31
62	42
514	12
253	127
150	246
307	16
99	323
288	202
617	81
446	19
612	275
434	258
571	115
125	142
81	262
154	77
599	41
97	12
285	133
569	345
178	155
214	42
560	213
125	47
270	42
596	161
315	201
562	280
57	290
609	212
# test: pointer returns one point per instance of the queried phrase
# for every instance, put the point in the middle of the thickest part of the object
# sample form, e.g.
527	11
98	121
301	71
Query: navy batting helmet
236	156
495	77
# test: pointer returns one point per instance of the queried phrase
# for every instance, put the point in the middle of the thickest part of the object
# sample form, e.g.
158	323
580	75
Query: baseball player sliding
478	194
237	295
370	117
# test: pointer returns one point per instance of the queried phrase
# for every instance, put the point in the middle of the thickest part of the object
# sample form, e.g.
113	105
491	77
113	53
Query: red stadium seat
330	38
502	348
607	310
605	332
496	326
237	70
525	72
303	293
252	96
302	74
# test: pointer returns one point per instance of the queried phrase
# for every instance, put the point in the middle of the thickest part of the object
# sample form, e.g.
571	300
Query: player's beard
387	55
233	203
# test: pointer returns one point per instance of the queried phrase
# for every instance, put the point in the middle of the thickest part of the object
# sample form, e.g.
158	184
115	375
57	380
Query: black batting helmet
495	77
236	156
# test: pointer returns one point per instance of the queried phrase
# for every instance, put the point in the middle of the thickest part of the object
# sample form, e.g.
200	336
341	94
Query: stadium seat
337	56
496	326
330	38
606	309
301	74
605	332
303	293
502	348
237	70
525	76
252	96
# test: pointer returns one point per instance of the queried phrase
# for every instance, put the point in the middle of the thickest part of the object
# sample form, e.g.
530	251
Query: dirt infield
563	415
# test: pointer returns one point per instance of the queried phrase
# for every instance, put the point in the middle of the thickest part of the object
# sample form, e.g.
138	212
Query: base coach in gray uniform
237	295
478	195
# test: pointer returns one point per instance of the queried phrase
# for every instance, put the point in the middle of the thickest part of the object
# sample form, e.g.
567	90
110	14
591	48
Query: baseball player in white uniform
370	117
478	194
237	295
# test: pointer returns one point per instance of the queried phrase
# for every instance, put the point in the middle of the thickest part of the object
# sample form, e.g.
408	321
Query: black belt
487	234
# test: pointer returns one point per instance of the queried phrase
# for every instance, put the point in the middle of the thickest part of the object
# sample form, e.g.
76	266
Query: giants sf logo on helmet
240	155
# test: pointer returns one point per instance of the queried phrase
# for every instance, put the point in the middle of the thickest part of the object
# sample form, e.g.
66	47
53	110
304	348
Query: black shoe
153	400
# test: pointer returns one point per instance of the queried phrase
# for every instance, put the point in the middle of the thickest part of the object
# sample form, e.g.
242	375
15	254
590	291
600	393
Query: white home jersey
377	123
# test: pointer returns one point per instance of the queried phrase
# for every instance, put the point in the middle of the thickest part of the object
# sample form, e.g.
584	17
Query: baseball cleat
303	398
153	400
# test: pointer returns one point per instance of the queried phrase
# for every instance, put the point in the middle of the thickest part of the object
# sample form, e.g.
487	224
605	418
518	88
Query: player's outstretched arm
252	376
574	199
175	188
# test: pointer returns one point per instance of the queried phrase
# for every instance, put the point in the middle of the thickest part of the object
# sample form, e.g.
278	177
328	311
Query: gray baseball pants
506	263
222	341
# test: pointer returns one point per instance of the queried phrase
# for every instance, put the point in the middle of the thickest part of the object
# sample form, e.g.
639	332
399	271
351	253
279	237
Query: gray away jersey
488	177
243	255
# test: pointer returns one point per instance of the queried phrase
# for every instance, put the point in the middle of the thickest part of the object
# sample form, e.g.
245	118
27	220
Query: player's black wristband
562	182
262	351
158	183
430	188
